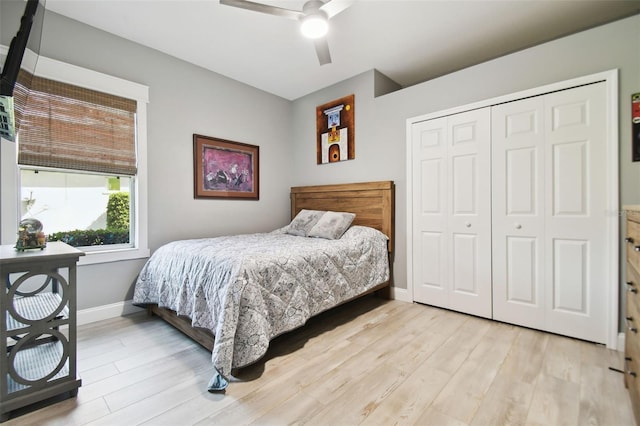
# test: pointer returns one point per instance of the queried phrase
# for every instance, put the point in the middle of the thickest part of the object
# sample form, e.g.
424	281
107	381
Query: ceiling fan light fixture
314	25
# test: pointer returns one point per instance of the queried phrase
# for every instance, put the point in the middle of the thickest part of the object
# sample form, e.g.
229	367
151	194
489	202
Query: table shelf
36	362
35	308
39	361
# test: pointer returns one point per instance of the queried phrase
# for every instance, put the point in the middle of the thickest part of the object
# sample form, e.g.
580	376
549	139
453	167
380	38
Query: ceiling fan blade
263	8
322	50
333	7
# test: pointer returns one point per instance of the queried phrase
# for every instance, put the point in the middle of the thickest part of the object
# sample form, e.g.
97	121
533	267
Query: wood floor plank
506	403
435	417
255	404
406	403
99	373
297	410
267	384
166	379
176	364
398	319
360	397
160	347
252	380
555	402
464	393
427	340
65	413
455	350
199	406
145	409
601	396
562	358
525	359
370	362
358	365
118	328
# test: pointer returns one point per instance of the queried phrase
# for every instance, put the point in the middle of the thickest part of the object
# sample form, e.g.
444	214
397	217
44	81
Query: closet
510	215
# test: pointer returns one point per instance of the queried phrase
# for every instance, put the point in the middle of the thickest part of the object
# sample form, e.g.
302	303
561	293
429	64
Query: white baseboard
620	347
104	312
401	294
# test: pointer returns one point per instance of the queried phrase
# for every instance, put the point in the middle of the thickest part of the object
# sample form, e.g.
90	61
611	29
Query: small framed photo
225	169
335	130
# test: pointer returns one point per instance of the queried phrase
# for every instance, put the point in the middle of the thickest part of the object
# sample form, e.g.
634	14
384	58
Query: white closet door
430	271
576	213
452	212
469	219
518	147
549	212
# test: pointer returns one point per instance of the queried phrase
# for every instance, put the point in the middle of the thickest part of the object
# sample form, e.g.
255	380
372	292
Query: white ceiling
410	41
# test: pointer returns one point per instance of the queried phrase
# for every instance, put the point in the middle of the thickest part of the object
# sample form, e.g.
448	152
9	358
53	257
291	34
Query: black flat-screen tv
27	39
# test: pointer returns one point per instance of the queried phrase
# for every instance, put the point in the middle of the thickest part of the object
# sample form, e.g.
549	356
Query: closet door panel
469	221
431	265
452	212
464	191
569	179
576	214
521	273
430	212
518	212
465	272
520	184
570	284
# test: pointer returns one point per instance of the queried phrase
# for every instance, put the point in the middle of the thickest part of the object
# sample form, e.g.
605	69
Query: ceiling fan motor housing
314	22
312	7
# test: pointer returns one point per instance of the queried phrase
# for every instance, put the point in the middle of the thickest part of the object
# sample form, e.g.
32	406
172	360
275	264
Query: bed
247	289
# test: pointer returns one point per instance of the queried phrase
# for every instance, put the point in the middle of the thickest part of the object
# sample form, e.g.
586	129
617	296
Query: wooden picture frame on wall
335	130
225	169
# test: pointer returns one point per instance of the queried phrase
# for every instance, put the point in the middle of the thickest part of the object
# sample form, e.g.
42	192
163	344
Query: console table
38	325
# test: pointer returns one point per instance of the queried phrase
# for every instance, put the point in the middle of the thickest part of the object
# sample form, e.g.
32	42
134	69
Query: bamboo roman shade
69	127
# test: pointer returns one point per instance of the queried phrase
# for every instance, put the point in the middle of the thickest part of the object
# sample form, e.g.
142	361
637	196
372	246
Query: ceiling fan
314	19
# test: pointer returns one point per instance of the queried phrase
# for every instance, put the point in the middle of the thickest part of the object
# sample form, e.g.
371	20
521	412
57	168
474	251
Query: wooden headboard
372	202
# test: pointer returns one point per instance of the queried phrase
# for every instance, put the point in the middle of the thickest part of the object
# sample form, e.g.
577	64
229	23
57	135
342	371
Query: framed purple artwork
225	169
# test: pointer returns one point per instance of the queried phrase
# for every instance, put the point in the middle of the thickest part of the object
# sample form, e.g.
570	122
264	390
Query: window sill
116	255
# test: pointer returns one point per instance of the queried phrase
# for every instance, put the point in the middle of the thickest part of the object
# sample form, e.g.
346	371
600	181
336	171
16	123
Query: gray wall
381	121
185	99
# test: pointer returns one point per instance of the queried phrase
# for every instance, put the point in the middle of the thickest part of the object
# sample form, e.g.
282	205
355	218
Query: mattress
248	289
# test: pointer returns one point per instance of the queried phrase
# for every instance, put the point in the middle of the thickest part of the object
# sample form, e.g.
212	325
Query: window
85	210
81	158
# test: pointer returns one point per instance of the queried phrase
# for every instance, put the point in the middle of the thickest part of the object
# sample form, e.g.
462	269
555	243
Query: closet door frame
610	78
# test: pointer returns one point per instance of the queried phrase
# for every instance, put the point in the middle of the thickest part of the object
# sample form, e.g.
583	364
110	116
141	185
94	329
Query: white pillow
303	222
332	225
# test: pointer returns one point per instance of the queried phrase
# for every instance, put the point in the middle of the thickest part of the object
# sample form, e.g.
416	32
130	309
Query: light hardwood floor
371	362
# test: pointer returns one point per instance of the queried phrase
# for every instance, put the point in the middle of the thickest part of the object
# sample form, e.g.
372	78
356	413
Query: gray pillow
332	225
303	222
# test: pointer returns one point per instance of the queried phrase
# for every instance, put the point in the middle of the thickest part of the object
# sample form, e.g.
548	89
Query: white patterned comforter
248	289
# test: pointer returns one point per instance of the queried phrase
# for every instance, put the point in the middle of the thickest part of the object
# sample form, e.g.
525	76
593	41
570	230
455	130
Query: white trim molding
100	313
401	294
